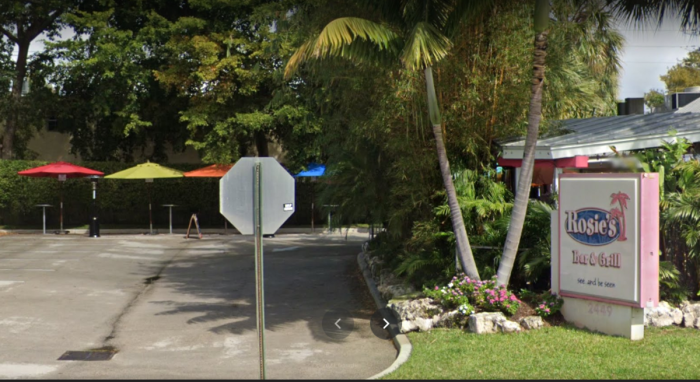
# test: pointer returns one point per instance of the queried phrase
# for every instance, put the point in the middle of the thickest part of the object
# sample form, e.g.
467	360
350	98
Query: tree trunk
261	144
515	229
8	139
464	251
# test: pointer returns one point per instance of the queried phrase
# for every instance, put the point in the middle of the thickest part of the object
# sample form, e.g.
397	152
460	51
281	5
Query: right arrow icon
387	324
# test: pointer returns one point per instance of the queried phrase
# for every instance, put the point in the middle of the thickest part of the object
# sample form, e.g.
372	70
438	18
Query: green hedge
121	202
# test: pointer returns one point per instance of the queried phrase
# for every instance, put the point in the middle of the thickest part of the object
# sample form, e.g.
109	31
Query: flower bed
472	296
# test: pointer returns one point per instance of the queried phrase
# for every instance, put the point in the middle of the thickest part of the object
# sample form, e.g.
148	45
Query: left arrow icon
336	324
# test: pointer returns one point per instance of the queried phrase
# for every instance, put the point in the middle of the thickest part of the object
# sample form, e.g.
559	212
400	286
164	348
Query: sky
647	54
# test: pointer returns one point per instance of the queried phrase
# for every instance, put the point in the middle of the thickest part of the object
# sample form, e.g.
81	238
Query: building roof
594	136
692	107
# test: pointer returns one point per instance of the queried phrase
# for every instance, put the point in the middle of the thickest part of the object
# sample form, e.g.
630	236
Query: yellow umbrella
147	171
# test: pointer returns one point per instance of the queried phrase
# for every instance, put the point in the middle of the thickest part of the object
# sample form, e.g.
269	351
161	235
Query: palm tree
416	34
634	10
522	196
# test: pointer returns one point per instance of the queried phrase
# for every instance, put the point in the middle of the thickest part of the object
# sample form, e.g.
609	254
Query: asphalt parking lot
175	308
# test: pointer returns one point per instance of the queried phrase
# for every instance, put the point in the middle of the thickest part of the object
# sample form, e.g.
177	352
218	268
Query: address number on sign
600	309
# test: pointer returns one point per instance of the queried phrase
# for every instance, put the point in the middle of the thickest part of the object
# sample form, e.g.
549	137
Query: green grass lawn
553	353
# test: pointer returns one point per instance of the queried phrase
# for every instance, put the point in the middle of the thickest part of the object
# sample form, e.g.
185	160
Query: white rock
407	326
689	319
424	324
662	315
452	319
677	316
692	308
696	323
509	327
531	322
481	323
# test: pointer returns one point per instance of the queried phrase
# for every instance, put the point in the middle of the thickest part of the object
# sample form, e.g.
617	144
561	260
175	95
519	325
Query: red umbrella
62	171
213	171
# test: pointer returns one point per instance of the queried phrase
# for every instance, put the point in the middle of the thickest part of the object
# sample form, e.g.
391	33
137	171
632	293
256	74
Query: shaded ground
178	308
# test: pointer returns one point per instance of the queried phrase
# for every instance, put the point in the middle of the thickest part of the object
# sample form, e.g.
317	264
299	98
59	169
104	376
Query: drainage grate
90	355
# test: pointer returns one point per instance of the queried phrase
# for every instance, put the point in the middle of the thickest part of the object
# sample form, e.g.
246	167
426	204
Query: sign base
612	319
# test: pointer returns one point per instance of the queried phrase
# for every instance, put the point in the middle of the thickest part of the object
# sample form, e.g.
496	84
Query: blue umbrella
314	170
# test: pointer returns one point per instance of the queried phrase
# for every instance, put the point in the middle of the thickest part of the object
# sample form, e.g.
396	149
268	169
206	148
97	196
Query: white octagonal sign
236	195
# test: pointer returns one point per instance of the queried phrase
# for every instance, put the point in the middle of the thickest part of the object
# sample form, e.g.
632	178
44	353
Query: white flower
450	285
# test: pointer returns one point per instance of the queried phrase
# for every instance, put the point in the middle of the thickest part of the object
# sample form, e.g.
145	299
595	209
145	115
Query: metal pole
61	183
171	220
330	228
44	209
259	284
150	214
312	207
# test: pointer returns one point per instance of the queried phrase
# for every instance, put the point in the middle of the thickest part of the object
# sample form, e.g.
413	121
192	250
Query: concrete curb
401	341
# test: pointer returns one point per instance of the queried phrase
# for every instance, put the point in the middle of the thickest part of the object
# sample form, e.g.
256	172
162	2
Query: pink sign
609	238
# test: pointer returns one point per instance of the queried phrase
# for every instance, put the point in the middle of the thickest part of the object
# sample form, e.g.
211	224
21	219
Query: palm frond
425	46
336	38
648	12
465	12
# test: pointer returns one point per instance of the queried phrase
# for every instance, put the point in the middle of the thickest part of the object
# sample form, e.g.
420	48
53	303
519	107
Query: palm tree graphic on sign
620	198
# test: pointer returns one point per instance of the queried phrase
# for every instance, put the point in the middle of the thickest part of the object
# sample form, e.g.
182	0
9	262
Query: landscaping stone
509	327
388	292
407	326
424	324
691	313
662	315
689	320
531	322
452	319
374	264
412	309
481	323
677	316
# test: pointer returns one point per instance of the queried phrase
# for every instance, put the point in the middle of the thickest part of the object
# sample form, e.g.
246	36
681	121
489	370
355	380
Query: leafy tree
21	22
225	58
655	100
684	74
103	80
416	34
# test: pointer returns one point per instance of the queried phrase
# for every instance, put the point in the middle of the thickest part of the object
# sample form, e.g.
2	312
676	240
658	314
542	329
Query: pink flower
547	310
512	297
491	301
542	306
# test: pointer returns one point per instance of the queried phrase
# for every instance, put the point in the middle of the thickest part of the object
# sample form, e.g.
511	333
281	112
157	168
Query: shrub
485	295
549	304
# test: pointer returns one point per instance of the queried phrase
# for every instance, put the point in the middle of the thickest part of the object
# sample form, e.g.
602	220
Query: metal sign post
272	195
259	283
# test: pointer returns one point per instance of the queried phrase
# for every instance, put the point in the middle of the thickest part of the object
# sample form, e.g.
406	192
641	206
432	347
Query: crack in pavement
149	284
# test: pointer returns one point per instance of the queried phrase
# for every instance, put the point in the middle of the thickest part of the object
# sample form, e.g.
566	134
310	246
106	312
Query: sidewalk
193	231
